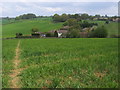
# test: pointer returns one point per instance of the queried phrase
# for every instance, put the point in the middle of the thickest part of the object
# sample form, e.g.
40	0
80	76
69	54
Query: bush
49	34
19	34
65	24
107	22
60	18
35	30
87	24
100	32
115	36
71	22
73	34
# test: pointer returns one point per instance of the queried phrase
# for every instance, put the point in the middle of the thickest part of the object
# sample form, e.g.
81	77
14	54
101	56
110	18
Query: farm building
89	29
101	18
65	28
38	34
60	33
116	19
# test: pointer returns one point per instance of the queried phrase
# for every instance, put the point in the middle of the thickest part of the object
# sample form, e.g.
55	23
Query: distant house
89	29
65	28
43	35
101	18
116	19
85	29
95	18
38	34
35	35
62	33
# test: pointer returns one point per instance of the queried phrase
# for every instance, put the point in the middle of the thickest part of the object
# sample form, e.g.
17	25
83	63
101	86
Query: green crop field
58	63
25	26
8	53
7	21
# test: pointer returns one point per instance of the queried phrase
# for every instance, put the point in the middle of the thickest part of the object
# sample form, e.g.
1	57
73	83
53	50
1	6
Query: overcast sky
50	7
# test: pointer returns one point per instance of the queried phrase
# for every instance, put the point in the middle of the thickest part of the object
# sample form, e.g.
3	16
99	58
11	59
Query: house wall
59	34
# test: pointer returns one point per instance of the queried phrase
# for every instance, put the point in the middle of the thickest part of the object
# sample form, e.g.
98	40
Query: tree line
76	24
26	16
64	17
76	27
29	16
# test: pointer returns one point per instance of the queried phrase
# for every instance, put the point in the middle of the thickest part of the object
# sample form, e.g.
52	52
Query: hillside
11	27
112	27
25	26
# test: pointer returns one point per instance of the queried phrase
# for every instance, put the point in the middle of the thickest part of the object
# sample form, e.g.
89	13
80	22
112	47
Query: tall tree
84	16
64	17
56	18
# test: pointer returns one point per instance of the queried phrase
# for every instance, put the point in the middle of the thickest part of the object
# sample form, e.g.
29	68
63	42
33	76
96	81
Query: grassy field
112	27
25	26
58	63
8	53
7	21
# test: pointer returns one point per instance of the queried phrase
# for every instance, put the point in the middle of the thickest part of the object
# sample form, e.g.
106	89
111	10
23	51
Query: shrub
87	24
49	34
71	22
19	34
73	34
100	32
107	22
26	16
35	30
115	36
65	24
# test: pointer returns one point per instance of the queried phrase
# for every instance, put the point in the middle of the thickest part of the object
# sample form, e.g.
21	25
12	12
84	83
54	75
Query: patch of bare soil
100	74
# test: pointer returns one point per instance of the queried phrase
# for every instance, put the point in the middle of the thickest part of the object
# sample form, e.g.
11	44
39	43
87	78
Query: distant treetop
26	16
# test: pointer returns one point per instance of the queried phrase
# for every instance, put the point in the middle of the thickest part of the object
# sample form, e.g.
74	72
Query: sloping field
25	26
58	63
112	27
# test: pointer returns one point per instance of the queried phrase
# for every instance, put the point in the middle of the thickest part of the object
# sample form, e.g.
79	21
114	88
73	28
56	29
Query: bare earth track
14	83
